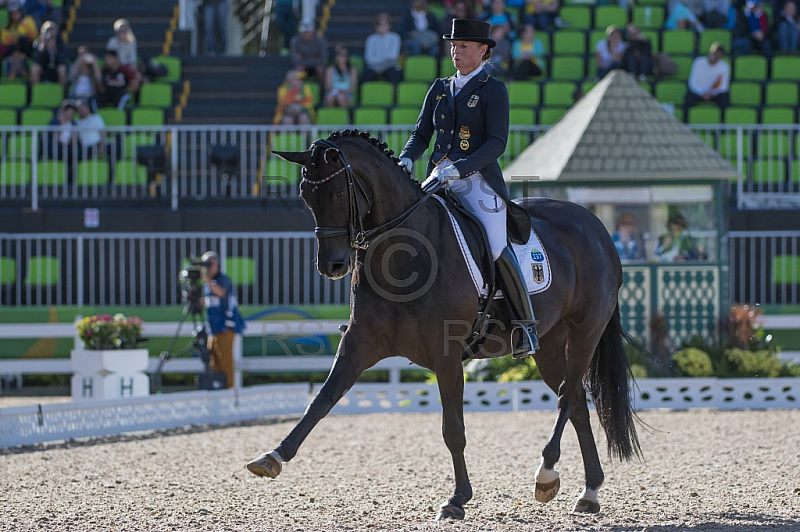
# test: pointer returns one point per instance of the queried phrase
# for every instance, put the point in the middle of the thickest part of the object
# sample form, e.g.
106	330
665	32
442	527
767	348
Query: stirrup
528	342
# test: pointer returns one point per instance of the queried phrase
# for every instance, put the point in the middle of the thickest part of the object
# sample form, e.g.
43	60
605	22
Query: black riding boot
511	281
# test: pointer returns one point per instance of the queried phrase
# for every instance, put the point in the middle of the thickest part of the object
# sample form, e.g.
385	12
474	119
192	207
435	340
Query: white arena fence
176	164
133	269
26	425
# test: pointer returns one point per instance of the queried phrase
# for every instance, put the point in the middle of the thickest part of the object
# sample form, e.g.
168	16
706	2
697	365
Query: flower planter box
110	374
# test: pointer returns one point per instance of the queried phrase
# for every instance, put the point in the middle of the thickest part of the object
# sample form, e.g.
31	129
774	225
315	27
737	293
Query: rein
359	237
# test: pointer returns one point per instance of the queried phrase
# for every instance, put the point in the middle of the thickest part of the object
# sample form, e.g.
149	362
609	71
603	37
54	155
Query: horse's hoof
266	465
450	511
586	506
546	491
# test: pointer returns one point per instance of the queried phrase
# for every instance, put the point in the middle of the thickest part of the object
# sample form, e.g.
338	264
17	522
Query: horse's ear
331	155
303	158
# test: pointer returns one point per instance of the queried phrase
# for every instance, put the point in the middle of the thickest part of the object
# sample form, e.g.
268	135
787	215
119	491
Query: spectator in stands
609	51
787	28
59	140
341	79
91	130
42	11
124	43
295	100
497	14
224	318
310	52
685	14
716	13
16	40
543	14
528	54
627	239
118	82
752	30
85	76
420	30
458	9
676	245
286	20
382	52
215	26
49	57
638	56
500	63
709	79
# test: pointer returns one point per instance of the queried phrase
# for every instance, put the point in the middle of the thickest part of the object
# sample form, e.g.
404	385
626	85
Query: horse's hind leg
587	502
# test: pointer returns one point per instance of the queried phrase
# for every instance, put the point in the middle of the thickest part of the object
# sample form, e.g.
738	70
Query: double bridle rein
355	231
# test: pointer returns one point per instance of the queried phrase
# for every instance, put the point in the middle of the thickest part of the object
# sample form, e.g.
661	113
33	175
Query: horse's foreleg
347	367
451	391
587	502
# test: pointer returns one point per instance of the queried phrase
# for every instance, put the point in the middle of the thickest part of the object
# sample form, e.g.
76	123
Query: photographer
224	318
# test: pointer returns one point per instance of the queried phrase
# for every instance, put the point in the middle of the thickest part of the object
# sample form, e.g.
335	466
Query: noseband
359	237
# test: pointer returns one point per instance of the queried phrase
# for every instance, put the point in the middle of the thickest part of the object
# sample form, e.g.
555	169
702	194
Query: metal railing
764	267
203	163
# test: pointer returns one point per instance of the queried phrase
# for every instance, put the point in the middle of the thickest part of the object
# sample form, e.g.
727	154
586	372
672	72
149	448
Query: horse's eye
304	172
340	194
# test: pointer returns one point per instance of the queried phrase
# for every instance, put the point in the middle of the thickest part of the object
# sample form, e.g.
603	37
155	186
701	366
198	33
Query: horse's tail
609	386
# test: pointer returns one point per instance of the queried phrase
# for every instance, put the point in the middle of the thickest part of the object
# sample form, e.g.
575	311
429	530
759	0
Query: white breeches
479	199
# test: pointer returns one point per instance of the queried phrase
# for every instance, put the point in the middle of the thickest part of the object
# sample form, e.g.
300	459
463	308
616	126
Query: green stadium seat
769	171
155	95
287	141
750	68
143	116
777	115
113	117
569	67
648	17
710	36
13	95
14	173
93	173
771	143
595	36
741	115
551	115
333	116
745	93
684	63
35	117
377	93
782	93
652	2
241	270
278	171
795	169
786	269
42	271
678	42
577	17
369	116
173	65
420	68
446	67
51	173
8	117
670	91
655	39
569	42
20	146
704	115
586	86
411	93
47	95
729	144
786	67
3	17
358	62
605	16
8	270
522	116
130	173
558	93
517	142
403	115
316	91
522	93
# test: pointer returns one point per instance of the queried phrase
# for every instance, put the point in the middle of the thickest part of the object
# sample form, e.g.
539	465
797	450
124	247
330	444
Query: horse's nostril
338	267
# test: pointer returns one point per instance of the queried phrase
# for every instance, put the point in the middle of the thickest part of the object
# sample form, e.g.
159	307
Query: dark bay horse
412	296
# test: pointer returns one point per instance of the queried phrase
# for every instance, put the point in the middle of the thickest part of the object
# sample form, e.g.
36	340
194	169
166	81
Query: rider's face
467	55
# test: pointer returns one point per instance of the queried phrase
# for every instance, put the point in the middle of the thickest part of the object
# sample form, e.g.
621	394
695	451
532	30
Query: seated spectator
497	15
341	79
118	82
16	40
787	27
420	31
124	43
310	52
42	11
716	13
609	51
709	79
676	245
458	9
85	77
752	30
49	57
382	52
638	56
500	62
685	14
528	54
215	26
91	130
60	140
543	14
295	100
627	239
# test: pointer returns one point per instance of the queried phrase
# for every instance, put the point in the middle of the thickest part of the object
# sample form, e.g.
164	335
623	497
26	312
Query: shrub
693	362
107	332
754	363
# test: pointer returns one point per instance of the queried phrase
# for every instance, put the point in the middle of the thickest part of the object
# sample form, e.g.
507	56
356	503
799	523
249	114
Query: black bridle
355	231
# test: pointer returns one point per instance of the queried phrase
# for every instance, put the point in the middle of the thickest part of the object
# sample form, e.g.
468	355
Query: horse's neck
393	194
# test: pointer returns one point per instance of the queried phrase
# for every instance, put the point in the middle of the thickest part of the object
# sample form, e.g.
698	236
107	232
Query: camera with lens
192	284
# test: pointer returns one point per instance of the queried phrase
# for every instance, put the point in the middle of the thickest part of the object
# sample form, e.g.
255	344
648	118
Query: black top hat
465	29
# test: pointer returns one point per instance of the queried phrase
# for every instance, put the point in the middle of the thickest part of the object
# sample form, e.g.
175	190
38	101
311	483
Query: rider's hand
441	176
406	163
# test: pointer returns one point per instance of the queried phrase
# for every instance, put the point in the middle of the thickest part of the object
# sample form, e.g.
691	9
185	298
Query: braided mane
378	143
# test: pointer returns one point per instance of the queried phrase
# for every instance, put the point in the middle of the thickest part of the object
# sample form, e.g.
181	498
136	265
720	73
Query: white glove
441	176
406	163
